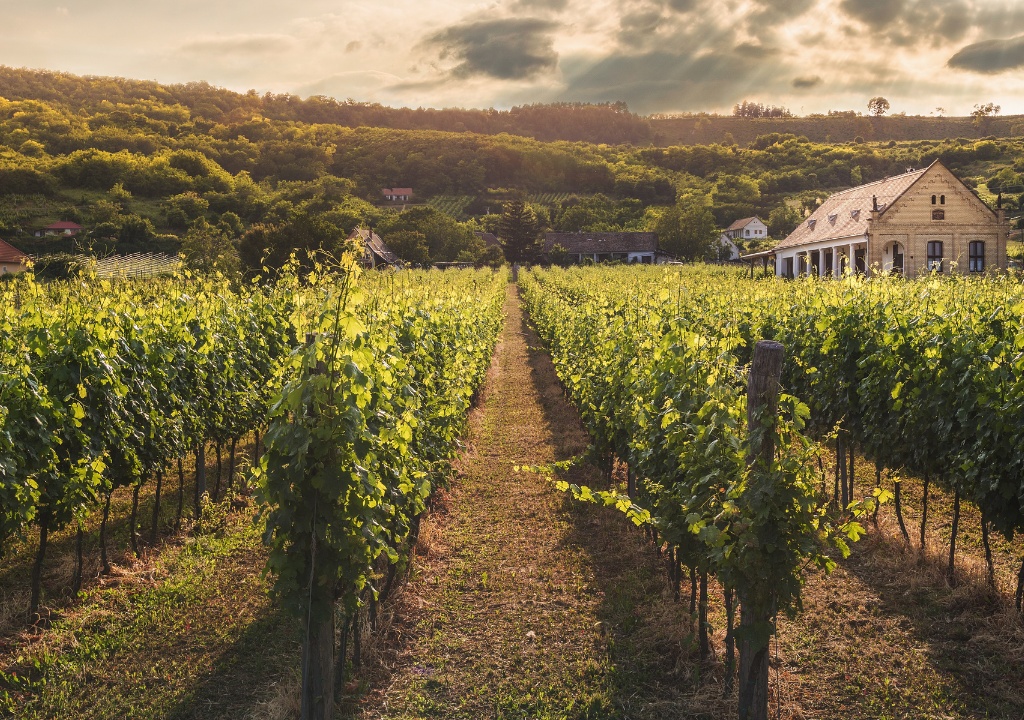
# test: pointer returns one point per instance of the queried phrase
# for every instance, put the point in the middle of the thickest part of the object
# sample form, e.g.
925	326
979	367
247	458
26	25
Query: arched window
933	199
976	256
942	200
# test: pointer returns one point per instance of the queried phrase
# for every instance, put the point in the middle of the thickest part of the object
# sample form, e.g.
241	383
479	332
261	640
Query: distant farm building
375	253
59	228
750	228
627	247
921	221
397	194
12	260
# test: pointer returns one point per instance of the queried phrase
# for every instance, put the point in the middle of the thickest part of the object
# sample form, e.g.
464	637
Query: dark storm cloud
552	5
661	79
805	82
506	49
990	56
935	22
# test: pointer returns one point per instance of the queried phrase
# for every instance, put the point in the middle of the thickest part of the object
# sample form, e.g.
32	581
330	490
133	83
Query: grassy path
524	607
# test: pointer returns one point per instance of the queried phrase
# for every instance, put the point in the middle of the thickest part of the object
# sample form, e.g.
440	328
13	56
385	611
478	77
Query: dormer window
938	214
855	214
811	224
832	218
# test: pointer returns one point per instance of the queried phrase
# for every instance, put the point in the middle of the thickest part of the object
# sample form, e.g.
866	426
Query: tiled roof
373	243
845	214
9	254
63	225
396	191
740	224
603	242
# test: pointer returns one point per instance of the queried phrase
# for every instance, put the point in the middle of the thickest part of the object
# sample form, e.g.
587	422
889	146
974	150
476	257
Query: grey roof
845	214
602	242
488	238
372	243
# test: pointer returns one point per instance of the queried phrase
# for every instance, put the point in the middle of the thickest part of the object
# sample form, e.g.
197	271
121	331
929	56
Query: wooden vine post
762	402
318	646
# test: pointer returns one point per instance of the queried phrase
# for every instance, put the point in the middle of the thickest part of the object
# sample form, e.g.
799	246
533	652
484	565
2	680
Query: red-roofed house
12	260
397	194
60	228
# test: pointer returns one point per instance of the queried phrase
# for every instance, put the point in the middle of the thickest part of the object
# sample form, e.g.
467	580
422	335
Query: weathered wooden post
762	405
318	648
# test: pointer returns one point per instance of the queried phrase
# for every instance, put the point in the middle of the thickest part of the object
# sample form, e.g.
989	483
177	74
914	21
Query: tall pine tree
519	233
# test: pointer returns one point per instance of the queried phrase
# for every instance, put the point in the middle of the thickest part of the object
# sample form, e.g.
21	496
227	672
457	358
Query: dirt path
510	611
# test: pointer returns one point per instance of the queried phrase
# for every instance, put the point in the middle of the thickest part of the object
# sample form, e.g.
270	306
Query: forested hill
840	127
610	123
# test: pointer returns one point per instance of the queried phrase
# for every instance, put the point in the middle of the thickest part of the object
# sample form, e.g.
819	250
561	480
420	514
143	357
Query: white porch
829	258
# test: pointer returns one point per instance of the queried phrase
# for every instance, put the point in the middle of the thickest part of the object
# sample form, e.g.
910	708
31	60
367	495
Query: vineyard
920	378
356	389
323	483
453	205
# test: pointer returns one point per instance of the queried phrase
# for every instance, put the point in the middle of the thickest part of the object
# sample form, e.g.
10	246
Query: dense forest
230	179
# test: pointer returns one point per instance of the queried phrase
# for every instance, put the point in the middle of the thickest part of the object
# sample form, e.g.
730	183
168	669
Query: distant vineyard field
548	198
140	265
453	205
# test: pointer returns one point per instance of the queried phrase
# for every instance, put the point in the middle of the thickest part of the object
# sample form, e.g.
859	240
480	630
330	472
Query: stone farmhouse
627	247
921	221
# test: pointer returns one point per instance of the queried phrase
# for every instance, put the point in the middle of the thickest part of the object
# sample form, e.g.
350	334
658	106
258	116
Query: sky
659	56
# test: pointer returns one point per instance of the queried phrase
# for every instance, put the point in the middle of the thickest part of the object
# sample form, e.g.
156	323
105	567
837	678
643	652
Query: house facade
397	194
921	221
12	260
751	228
627	247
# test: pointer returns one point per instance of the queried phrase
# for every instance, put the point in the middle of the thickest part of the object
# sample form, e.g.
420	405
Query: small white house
397	194
751	228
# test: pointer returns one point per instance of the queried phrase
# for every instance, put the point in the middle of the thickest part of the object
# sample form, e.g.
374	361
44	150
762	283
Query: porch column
837	263
821	263
852	258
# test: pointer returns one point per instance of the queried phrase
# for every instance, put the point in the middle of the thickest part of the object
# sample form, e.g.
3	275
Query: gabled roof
372	243
10	254
603	242
396	191
740	224
63	225
488	238
845	214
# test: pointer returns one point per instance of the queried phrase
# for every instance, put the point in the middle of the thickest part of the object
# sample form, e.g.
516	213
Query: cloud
990	56
505	49
240	44
353	46
805	82
662	80
539	5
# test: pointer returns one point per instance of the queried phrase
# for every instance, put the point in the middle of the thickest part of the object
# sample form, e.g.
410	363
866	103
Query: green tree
184	208
687	230
207	247
519	232
878	106
782	221
410	245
